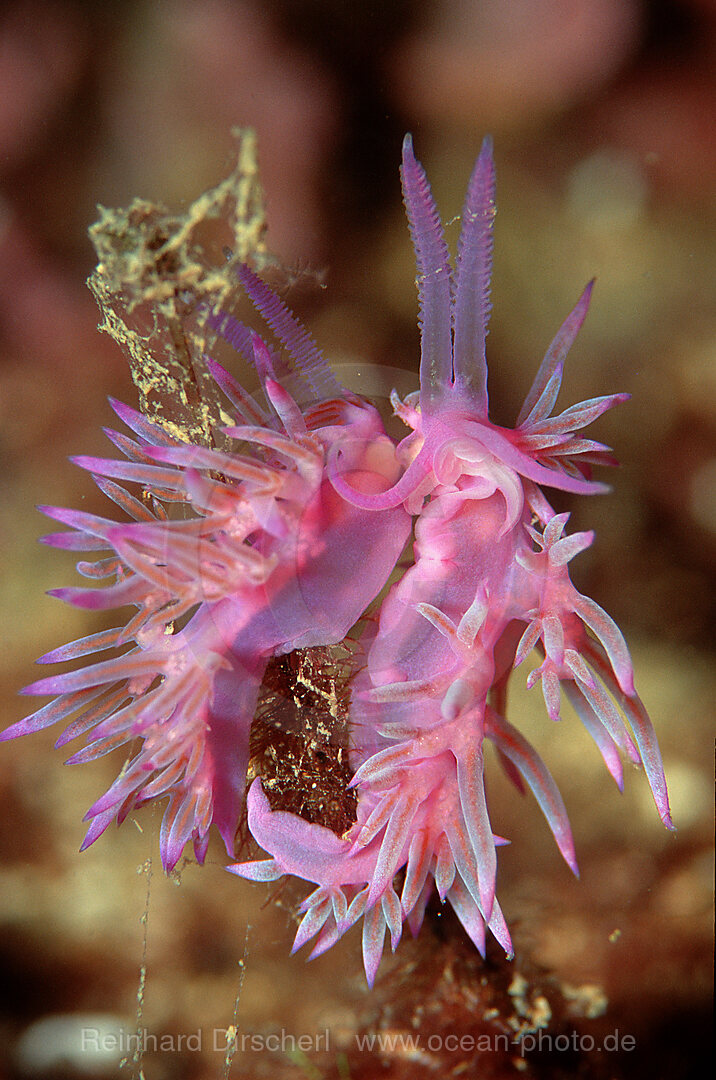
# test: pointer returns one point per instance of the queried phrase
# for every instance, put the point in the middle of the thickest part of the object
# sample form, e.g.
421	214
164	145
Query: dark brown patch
299	738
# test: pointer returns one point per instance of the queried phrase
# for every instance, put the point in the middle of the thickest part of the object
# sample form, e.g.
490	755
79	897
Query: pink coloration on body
272	560
488	584
290	540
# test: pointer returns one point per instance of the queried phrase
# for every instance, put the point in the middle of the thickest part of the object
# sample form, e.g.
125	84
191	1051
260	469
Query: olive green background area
602	117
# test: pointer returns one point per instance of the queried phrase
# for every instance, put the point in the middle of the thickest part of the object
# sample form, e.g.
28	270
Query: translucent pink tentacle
474	267
434	278
303	350
543	392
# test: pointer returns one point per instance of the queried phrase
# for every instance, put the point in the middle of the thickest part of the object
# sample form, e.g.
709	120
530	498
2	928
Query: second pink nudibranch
489	583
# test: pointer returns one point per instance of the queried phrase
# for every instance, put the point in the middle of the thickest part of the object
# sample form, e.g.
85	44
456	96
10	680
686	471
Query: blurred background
603	114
